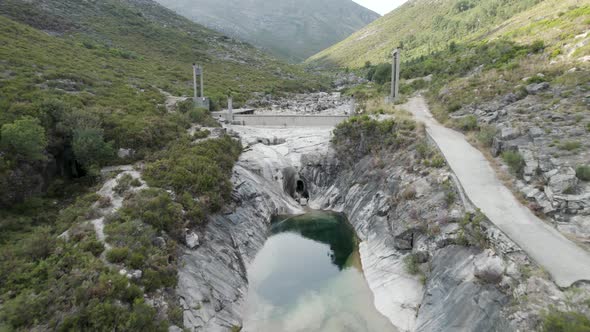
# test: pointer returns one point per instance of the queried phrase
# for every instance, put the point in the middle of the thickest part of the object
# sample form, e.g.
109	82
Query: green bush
118	255
360	136
486	135
24	138
155	207
558	321
202	116
583	172
437	161
514	160
90	148
136	260
93	246
468	123
201	134
570	145
381	74
537	46
202	170
411	264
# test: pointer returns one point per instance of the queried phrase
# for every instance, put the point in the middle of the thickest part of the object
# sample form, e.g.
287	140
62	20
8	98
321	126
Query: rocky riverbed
323	103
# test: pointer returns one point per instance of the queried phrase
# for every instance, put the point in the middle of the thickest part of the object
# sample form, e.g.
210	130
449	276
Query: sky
381	6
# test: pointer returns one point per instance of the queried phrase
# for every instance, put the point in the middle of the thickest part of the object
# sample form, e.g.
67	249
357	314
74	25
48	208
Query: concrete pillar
195	81
202	88
395	68
230	110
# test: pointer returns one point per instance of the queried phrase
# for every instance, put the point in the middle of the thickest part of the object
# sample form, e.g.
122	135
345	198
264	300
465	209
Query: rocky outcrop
393	226
455	300
213	278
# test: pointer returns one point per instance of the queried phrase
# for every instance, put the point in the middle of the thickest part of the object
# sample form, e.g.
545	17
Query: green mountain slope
114	60
78	81
421	26
289	29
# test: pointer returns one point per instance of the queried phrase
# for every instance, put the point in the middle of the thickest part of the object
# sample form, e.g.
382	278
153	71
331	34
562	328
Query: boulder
536	132
125	153
562	180
535	88
488	267
509	133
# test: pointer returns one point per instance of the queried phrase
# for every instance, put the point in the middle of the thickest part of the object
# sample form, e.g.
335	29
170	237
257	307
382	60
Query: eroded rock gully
398	207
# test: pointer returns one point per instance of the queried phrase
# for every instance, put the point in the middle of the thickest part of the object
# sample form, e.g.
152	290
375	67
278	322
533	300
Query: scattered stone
509	133
191	239
65	236
536	87
159	242
125	153
135	274
536	132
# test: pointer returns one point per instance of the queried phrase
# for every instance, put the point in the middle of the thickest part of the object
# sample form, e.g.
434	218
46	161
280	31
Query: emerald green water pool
308	277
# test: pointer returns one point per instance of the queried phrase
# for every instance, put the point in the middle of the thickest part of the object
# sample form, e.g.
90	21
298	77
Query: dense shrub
514	160
380	74
24	138
570	145
557	321
486	135
202	170
117	255
583	173
468	123
90	148
156	208
359	136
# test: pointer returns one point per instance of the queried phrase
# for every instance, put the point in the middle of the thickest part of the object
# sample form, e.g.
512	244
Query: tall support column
230	110
395	68
202	89
195	81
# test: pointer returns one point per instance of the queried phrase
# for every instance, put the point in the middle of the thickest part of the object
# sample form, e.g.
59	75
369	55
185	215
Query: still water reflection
308	277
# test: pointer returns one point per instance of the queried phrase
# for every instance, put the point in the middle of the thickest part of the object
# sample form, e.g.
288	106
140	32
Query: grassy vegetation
558	321
420	28
198	174
360	136
411	264
514	160
59	284
94	83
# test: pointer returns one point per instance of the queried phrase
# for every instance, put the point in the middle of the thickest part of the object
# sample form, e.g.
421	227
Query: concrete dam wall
290	120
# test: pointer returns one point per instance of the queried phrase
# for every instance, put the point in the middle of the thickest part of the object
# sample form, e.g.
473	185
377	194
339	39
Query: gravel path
564	260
